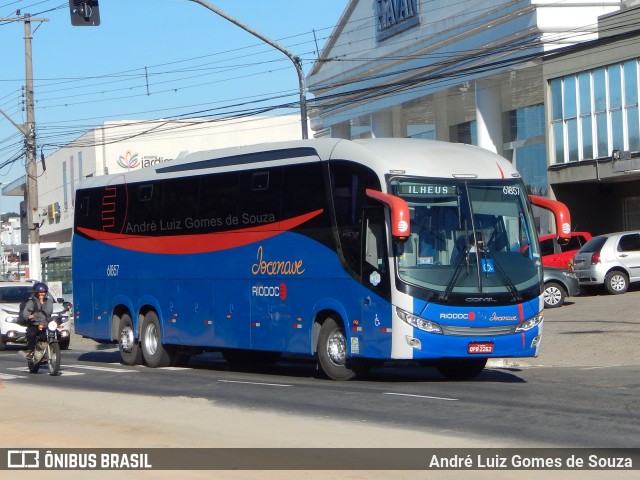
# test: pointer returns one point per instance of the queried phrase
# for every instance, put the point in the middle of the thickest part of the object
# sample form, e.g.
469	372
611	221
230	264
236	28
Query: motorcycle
47	351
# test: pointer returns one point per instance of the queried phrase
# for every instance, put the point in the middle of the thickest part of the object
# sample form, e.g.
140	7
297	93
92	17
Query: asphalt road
591	330
582	391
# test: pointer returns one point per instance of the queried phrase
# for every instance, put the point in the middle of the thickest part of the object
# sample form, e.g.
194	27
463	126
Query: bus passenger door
373	336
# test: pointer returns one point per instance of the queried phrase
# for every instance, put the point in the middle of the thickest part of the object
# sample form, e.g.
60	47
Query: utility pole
29	131
295	59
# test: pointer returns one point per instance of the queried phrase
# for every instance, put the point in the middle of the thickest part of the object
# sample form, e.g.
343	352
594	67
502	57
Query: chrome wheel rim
151	339
127	339
618	283
552	296
337	348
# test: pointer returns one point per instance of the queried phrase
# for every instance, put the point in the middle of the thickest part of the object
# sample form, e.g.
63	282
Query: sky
149	59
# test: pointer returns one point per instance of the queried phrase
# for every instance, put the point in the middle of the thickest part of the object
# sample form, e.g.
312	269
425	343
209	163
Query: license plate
480	347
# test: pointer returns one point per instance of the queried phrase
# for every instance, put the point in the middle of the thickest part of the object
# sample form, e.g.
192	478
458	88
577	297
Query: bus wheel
332	351
155	354
462	368
130	351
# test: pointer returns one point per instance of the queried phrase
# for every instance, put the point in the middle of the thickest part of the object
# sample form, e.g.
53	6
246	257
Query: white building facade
463	71
118	147
593	126
121	146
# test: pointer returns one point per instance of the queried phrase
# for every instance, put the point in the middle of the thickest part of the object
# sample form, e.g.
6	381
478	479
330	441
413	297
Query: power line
385	88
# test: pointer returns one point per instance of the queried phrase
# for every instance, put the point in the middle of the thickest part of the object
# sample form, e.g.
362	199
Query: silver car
612	260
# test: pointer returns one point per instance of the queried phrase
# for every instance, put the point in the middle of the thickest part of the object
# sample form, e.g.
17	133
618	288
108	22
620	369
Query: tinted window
15	294
260	198
348	184
593	245
629	243
304	192
546	247
575	242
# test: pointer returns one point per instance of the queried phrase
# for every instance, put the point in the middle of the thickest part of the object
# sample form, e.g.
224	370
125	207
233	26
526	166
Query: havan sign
395	16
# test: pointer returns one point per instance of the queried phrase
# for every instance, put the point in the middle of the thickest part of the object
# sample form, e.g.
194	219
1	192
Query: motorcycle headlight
61	318
418	322
52	325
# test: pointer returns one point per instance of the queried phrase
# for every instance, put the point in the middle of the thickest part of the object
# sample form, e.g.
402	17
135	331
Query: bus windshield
467	237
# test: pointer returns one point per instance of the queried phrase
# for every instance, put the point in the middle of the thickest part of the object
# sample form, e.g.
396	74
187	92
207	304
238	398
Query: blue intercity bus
352	252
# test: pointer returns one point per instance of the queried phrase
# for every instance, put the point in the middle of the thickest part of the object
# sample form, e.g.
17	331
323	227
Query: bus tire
154	353
129	347
332	351
461	368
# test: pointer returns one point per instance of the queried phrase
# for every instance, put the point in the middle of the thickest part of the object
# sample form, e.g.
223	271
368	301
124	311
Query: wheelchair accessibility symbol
487	266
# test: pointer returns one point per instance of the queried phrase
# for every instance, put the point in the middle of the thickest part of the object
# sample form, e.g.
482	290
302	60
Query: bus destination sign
425	189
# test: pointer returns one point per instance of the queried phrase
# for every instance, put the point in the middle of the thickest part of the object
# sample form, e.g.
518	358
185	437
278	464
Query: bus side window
374	257
373	247
82	205
145	192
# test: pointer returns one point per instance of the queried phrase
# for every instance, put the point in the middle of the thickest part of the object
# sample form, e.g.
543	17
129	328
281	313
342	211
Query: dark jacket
34	306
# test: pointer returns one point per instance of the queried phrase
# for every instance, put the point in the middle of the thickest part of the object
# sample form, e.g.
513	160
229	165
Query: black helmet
40	287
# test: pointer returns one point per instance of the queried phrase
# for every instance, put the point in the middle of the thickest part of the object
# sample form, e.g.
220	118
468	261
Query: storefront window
615	87
586	126
559	141
605	102
526	123
601	134
599	90
617	133
466	132
556	99
572	139
634	129
631	83
584	91
531	162
570	109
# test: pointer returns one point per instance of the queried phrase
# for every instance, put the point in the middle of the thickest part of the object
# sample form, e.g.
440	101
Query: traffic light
84	13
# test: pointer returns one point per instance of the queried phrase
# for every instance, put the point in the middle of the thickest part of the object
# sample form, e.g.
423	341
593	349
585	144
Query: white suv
11	295
612	260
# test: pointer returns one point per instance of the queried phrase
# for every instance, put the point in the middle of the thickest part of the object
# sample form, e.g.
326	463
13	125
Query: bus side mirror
560	213
400	220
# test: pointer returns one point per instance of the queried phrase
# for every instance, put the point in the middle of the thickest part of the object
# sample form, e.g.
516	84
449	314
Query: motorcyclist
36	313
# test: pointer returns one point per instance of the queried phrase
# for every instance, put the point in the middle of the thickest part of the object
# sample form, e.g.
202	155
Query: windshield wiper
460	261
506	279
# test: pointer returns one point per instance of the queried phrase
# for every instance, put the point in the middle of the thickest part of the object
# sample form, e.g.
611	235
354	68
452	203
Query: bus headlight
530	323
418	322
